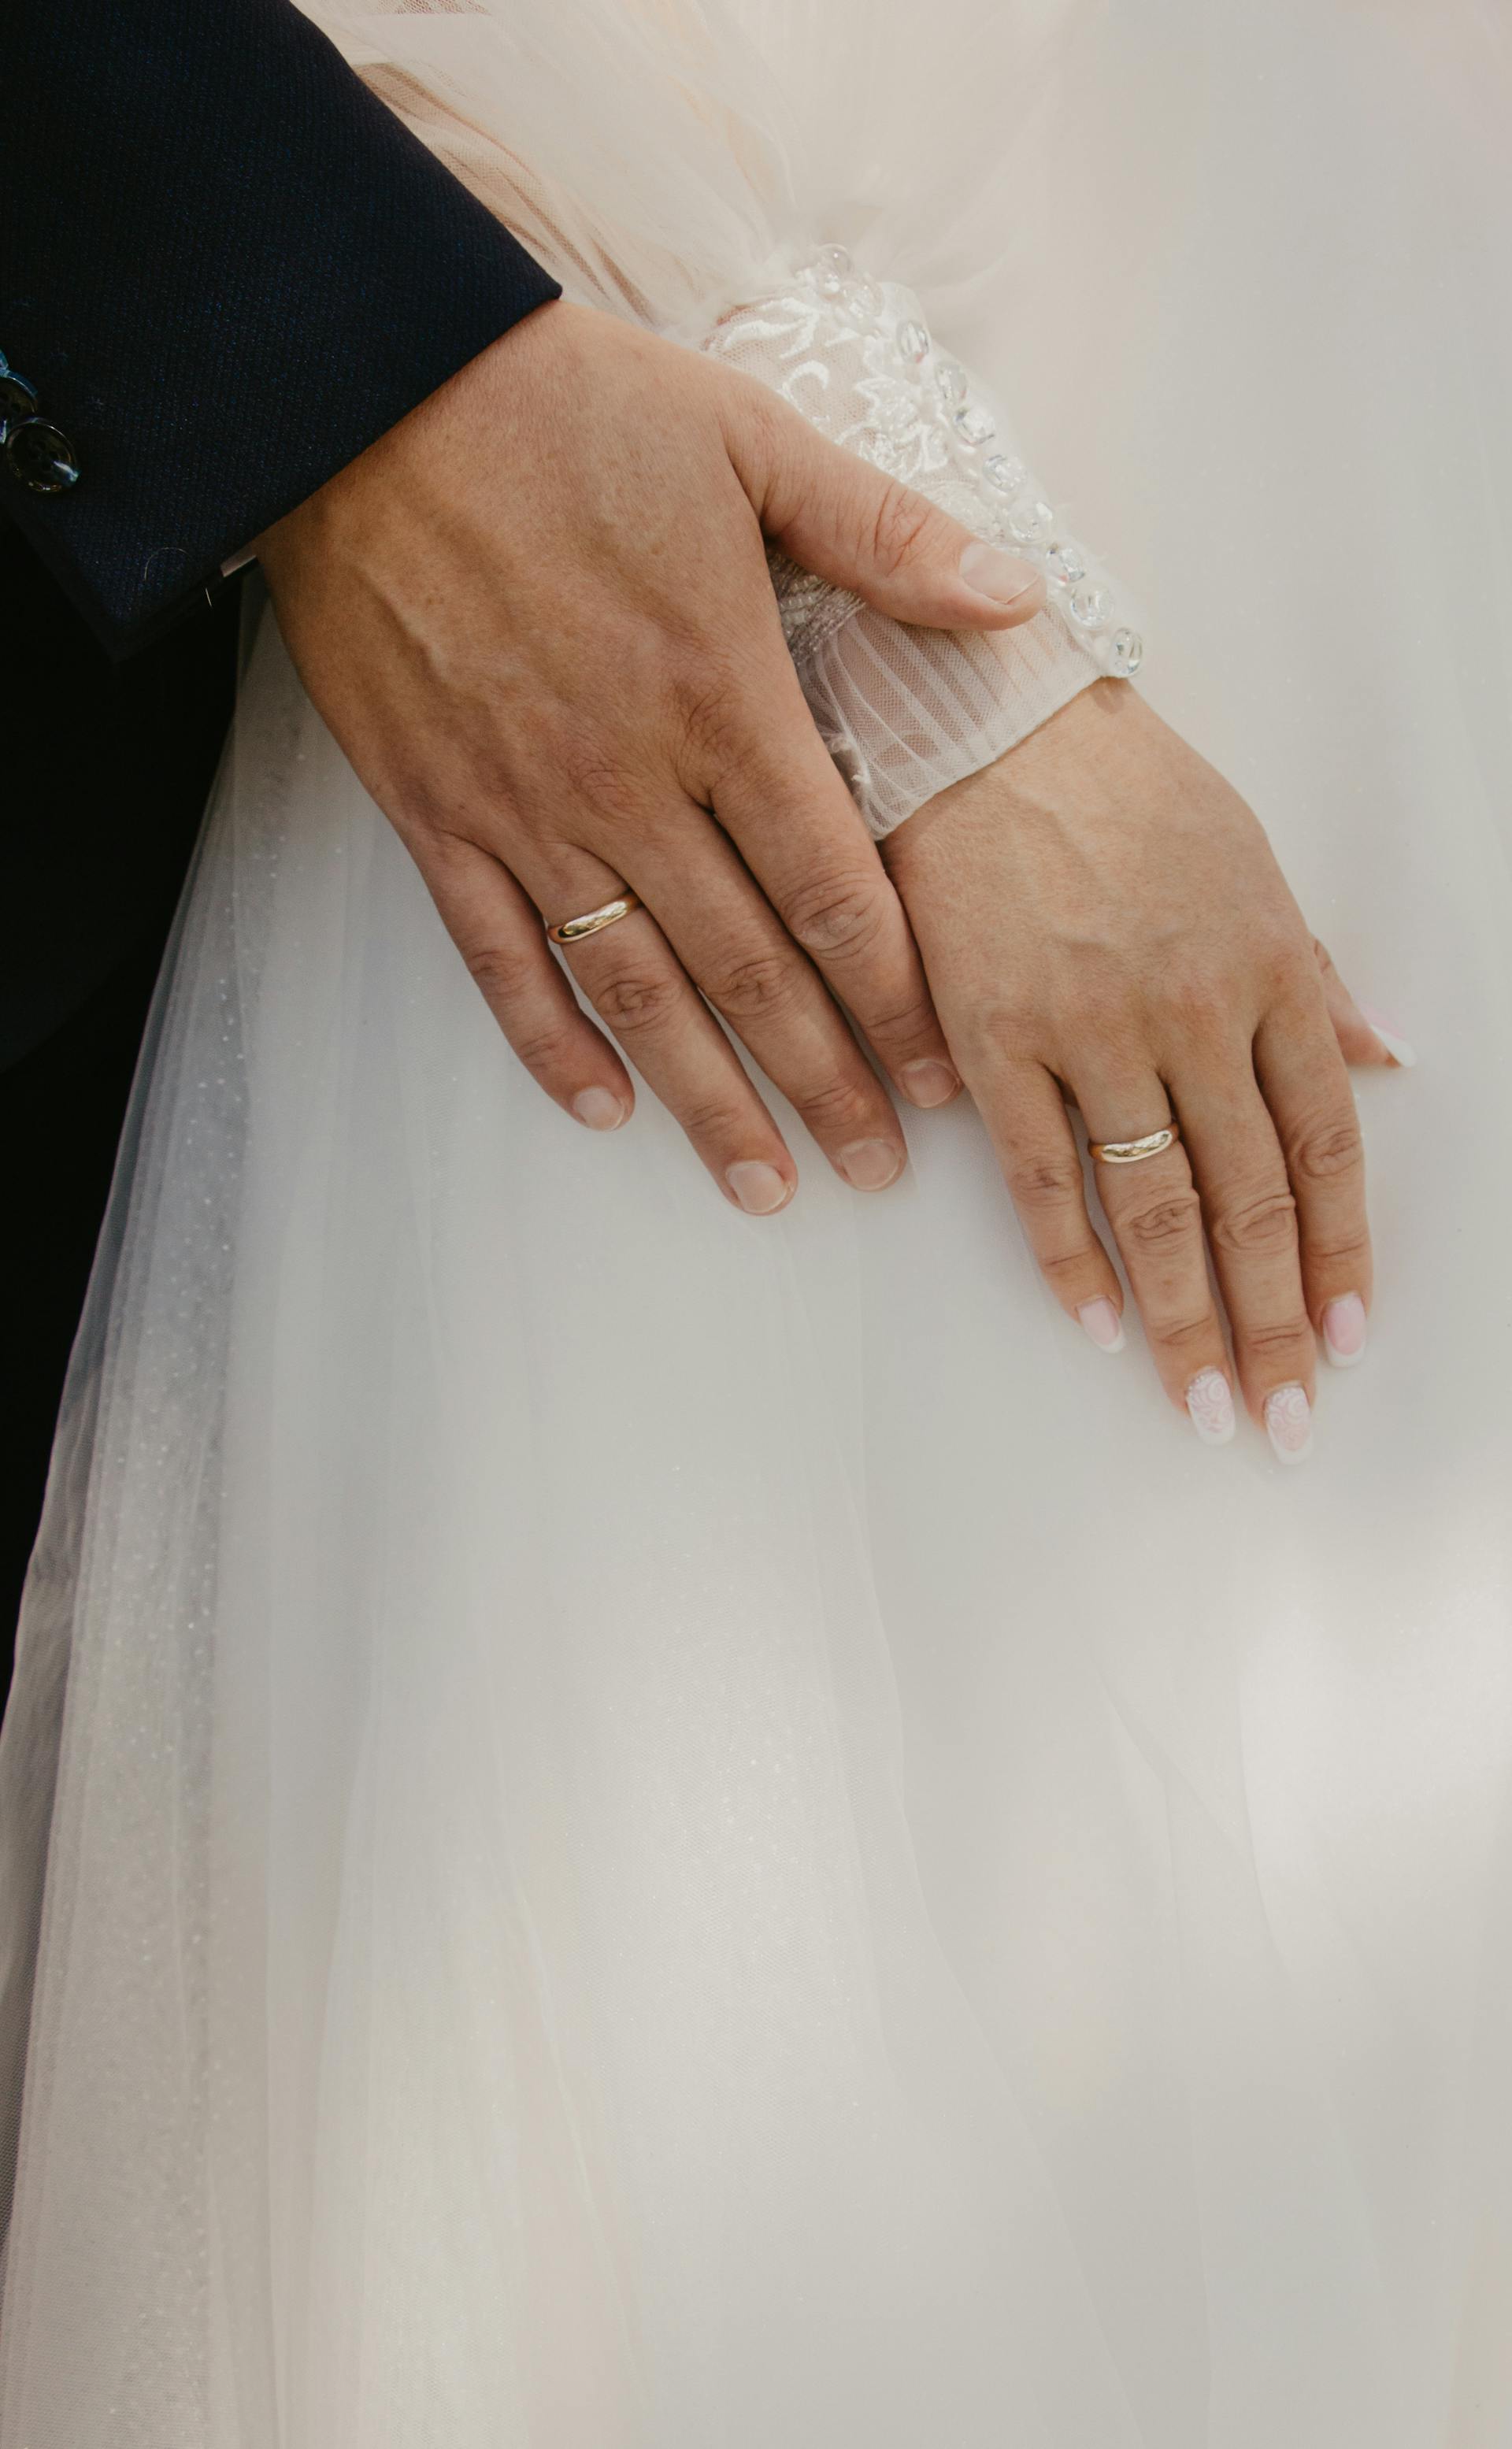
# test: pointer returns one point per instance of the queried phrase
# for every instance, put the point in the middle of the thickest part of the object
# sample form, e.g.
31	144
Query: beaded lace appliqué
855	357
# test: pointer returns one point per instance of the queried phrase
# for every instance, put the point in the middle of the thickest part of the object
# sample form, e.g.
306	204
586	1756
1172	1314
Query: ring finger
639	990
1156	1214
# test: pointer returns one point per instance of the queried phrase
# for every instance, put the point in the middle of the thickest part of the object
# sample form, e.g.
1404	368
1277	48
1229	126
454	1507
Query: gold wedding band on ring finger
1134	1152
593	922
1158	1228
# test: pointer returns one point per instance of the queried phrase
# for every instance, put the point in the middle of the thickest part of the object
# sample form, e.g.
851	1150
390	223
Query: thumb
1365	1038
846	521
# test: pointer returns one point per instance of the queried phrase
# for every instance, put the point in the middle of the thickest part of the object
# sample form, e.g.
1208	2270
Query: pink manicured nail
999	575
1289	1423
928	1083
871	1164
1209	1407
1390	1036
599	1109
759	1188
1344	1330
1103	1323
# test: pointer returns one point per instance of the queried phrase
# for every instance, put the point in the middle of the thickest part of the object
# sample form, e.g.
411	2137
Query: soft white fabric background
682	1831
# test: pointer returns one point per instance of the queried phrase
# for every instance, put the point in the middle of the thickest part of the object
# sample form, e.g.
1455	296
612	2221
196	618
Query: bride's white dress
675	1832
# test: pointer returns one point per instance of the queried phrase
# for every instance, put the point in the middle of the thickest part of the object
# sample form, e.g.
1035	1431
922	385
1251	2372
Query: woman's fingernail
998	575
599	1109
1209	1407
929	1082
1390	1036
1288	1422
871	1164
1103	1323
759	1188
1344	1330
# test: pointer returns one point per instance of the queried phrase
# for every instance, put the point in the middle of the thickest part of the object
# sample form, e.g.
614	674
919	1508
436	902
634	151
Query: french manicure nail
1209	1407
1102	1322
1390	1036
758	1188
1344	1330
871	1164
1288	1422
999	576
599	1109
928	1082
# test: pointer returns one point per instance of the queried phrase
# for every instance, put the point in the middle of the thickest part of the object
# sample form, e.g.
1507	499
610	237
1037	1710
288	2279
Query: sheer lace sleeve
907	711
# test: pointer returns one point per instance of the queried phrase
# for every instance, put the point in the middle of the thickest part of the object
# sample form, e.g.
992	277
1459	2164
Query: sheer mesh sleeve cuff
907	711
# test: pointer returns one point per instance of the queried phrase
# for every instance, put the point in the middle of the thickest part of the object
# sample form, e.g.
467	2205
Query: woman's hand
537	617
1102	918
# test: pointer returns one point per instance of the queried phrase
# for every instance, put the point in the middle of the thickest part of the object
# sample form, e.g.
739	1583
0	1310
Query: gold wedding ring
1135	1151
572	931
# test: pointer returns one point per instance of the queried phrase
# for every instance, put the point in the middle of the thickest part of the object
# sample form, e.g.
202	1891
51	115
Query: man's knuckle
898	520
835	915
758	987
900	1024
1255	1223
832	1106
710	1118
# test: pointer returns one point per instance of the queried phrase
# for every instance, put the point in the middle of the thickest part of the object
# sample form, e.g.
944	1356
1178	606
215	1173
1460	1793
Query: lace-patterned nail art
1288	1422
1209	1407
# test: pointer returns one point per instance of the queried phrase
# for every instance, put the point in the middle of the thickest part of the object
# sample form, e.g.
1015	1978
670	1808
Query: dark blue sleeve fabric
226	268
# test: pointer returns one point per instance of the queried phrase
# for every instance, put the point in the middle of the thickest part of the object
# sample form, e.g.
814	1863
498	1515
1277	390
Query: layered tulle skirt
624	1828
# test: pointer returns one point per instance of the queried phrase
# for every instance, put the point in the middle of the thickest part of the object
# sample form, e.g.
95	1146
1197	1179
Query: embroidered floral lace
907	711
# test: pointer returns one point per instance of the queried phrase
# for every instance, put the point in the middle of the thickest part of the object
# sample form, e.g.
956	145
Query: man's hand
1101	915
538	619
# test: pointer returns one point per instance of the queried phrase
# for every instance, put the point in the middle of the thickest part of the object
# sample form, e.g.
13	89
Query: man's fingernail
1344	1330
998	575
1390	1036
1288	1422
599	1109
1102	1322
1209	1407
929	1082
871	1164
758	1188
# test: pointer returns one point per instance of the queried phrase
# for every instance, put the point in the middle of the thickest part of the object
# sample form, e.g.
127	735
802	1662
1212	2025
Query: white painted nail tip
1344	1331
1209	1407
1100	1320
1396	1046
1289	1423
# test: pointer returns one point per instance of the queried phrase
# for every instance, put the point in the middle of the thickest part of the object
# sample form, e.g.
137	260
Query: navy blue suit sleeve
226	268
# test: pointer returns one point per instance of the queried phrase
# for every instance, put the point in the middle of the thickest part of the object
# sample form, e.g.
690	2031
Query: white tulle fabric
663	1829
